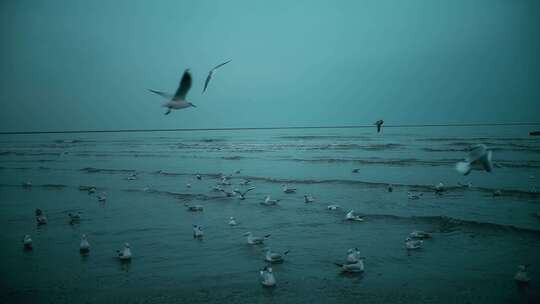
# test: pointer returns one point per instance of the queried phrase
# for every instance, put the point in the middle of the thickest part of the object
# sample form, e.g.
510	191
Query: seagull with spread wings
211	73
178	100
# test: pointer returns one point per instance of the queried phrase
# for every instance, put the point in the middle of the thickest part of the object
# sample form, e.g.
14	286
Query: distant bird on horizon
379	124
211	74
178	100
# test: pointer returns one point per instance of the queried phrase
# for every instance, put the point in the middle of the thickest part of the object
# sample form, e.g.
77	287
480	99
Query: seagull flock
479	157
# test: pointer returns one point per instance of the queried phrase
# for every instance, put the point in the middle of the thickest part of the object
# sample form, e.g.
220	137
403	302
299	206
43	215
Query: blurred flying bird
178	100
211	74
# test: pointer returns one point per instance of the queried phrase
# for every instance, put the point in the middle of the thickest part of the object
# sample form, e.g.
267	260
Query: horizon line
268	128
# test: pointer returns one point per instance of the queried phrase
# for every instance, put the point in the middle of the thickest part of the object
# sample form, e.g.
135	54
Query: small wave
98	170
52	186
391	162
449	224
68	141
443	150
236	157
475	140
315	137
180	196
415	187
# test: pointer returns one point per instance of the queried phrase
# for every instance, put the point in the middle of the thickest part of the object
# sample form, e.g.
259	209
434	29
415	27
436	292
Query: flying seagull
178	100
379	124
479	156
211	73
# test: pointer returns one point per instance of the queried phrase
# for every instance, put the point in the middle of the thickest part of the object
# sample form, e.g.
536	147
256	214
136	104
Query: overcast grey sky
87	64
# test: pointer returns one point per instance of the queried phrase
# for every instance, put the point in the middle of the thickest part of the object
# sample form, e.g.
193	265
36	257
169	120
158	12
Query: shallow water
478	239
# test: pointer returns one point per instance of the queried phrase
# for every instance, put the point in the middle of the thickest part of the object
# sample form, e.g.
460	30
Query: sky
87	65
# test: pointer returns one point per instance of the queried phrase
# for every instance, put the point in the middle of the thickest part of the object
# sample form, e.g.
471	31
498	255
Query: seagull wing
162	94
248	190
183	88
207	82
220	65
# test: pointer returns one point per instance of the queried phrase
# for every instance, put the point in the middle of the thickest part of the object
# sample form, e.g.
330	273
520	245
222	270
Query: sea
478	238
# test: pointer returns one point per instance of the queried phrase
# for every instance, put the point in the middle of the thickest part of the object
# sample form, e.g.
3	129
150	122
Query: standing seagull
178	101
379	124
211	73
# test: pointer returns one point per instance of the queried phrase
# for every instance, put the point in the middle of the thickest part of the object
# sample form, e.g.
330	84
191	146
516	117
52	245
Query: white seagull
353	268
413	196
333	207
125	253
84	246
308	199
353	256
27	242
479	156
286	189
211	74
267	277
41	219
521	275
255	240
274	257
178	100
418	234
439	188
243	194
411	244
269	202
232	221
350	216
194	208
102	197
74	217
197	232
